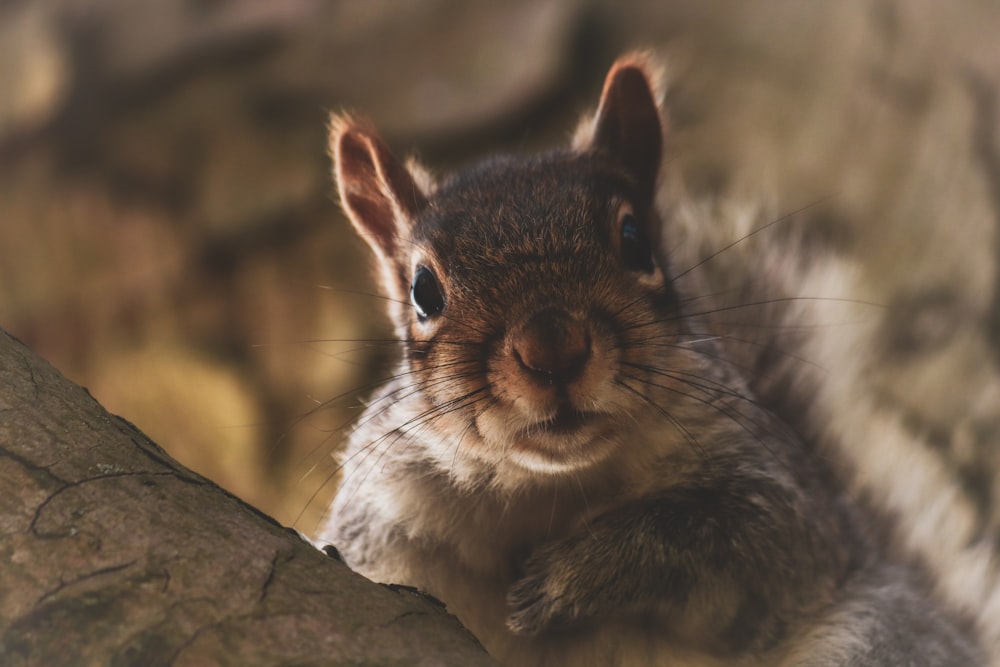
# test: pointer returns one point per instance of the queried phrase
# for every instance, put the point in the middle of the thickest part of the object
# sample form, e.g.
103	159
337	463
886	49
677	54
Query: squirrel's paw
551	592
537	602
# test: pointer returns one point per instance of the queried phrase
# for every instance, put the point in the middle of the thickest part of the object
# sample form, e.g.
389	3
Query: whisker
470	425
755	304
355	392
691	346
751	233
387	440
405	304
401	393
710	385
715	406
659	408
586	503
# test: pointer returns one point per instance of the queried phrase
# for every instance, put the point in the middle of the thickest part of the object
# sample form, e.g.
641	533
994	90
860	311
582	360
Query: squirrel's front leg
725	563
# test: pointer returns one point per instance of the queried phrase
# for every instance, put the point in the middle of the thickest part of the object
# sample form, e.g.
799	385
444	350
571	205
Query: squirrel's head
530	292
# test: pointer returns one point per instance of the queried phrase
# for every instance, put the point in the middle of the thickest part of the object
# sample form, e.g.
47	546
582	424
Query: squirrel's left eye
636	251
425	294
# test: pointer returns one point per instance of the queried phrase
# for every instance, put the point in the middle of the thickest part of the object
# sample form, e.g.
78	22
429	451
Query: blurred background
170	238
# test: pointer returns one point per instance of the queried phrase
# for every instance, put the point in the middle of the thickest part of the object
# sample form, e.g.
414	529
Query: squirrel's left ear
381	196
628	126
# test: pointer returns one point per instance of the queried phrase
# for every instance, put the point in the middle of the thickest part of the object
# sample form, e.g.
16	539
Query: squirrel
565	457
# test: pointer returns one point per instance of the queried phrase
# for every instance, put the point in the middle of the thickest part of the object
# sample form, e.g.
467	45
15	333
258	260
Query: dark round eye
637	253
425	294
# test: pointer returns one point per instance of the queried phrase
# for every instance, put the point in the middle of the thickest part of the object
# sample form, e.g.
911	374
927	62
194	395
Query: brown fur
566	457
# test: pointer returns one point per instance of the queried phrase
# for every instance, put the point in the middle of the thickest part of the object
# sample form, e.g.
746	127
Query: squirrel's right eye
635	247
425	294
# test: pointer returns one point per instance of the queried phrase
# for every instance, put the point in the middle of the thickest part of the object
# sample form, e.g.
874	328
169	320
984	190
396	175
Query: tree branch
115	554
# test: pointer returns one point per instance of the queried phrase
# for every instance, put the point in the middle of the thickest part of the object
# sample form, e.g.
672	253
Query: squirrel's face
537	307
530	293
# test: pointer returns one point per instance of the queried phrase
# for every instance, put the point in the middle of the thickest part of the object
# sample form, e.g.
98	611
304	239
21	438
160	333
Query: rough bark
114	554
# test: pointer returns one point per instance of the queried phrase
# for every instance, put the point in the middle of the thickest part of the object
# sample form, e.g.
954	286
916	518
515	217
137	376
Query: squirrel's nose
553	346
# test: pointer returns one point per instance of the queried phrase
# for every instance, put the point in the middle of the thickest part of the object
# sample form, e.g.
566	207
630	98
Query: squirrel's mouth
568	440
566	420
561	439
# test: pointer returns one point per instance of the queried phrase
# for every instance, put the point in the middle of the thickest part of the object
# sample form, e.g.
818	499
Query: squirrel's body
568	457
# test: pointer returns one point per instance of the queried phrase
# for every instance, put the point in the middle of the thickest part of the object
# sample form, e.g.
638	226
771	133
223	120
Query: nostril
553	345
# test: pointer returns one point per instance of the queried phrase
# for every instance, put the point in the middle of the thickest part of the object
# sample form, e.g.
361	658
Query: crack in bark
400	617
26	362
272	572
31	466
73	485
63	585
226	618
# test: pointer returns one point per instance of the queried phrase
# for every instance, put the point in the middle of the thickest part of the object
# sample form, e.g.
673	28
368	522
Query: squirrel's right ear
379	194
628	127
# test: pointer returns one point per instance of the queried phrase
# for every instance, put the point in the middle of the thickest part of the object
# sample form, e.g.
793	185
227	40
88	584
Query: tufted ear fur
628	127
380	195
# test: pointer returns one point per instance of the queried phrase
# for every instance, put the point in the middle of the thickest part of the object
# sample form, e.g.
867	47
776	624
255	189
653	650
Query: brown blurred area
170	239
